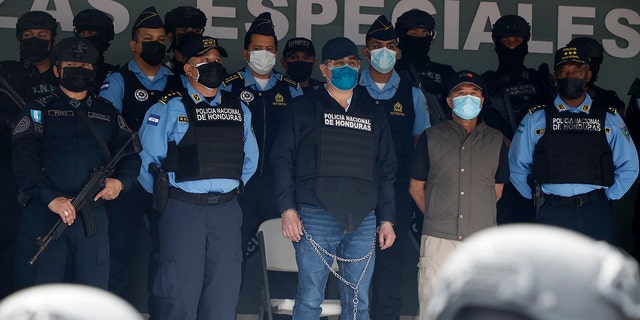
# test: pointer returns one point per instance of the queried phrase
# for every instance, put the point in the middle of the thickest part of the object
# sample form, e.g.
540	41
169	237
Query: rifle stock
84	199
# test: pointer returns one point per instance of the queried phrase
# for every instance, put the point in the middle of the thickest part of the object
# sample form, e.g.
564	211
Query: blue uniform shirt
162	125
625	156
390	88
112	88
250	81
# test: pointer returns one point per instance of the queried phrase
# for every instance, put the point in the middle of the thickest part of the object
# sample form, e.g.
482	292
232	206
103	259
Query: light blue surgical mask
383	59
466	107
344	78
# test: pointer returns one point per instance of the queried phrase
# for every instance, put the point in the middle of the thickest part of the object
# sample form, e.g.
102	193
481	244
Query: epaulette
536	108
46	99
291	82
612	110
232	78
170	95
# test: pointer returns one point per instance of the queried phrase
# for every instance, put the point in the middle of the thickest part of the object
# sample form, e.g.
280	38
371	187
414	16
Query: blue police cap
381	29
149	18
263	25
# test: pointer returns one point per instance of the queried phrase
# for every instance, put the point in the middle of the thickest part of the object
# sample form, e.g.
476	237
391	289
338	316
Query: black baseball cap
338	48
299	44
200	45
465	76
571	54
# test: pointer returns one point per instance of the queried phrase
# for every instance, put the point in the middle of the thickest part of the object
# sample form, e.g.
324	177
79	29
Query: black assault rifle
84	199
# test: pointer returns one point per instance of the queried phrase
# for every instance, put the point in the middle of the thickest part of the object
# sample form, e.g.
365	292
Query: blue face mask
466	107
344	78
383	59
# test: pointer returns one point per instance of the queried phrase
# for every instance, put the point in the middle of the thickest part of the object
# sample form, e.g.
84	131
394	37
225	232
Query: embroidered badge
22	126
196	97
397	110
36	116
154	119
74	103
98	116
60	113
183	119
141	95
246	96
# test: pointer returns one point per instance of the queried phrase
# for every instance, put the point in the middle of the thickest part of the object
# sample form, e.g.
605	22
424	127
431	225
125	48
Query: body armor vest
400	115
138	99
574	148
267	108
213	146
340	154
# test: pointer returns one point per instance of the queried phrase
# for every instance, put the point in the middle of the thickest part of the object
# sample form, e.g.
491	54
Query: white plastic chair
278	254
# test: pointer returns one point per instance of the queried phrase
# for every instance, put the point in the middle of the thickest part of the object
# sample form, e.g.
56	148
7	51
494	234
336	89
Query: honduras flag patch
36	116
153	119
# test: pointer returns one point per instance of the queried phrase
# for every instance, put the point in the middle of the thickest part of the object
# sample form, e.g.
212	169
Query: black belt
578	200
202	198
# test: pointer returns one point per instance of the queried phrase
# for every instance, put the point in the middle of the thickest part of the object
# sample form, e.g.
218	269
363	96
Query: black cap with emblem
200	45
262	25
75	49
149	18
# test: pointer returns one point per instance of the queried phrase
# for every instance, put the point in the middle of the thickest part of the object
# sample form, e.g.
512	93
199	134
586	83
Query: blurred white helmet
64	301
535	272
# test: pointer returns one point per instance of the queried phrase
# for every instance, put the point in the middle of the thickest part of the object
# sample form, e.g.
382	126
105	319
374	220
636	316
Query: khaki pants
433	252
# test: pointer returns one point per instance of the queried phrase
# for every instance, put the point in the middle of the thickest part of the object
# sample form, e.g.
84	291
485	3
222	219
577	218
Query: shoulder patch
232	78
612	110
169	96
22	126
46	99
536	108
291	82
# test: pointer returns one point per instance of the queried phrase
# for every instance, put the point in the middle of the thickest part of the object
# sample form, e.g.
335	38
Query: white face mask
383	59
261	61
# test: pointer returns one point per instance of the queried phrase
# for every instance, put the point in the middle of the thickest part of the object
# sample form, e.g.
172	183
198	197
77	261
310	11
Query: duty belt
578	200
202	198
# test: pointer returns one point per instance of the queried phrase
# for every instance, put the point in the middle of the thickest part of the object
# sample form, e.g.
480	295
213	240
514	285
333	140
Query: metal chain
317	248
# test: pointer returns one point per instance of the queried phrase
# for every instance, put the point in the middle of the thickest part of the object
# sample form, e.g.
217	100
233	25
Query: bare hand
112	189
291	225
386	235
62	206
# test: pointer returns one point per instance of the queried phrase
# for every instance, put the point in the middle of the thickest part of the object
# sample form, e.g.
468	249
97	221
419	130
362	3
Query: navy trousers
594	219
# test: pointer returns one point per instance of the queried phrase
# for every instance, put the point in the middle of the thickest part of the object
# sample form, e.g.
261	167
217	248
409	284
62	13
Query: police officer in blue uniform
335	165
577	150
406	111
201	136
29	77
133	90
299	60
97	27
416	31
55	151
596	55
181	24
512	90
266	93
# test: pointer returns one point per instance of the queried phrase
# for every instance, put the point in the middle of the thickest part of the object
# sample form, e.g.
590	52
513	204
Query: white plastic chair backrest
278	250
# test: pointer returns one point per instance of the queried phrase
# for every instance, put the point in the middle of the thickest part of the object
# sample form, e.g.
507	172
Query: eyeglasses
352	62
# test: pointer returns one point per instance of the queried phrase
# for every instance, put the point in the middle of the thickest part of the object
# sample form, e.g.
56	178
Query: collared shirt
112	88
163	123
250	81
389	90
531	129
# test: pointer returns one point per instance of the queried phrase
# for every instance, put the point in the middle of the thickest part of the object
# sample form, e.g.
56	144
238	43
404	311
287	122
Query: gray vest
460	194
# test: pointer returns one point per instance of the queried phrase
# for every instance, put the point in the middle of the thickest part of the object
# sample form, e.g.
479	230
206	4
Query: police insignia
153	120
539	131
23	125
625	132
279	98
196	97
122	123
183	119
246	96
36	116
607	130
397	110
98	116
141	95
585	107
104	86
75	103
562	107
38	128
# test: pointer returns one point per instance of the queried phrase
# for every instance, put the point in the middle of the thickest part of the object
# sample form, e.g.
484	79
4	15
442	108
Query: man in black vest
201	136
335	166
576	153
416	30
59	140
405	108
138	85
29	77
267	93
512	90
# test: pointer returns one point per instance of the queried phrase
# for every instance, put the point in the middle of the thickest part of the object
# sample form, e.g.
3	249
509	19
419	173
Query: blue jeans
312	273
